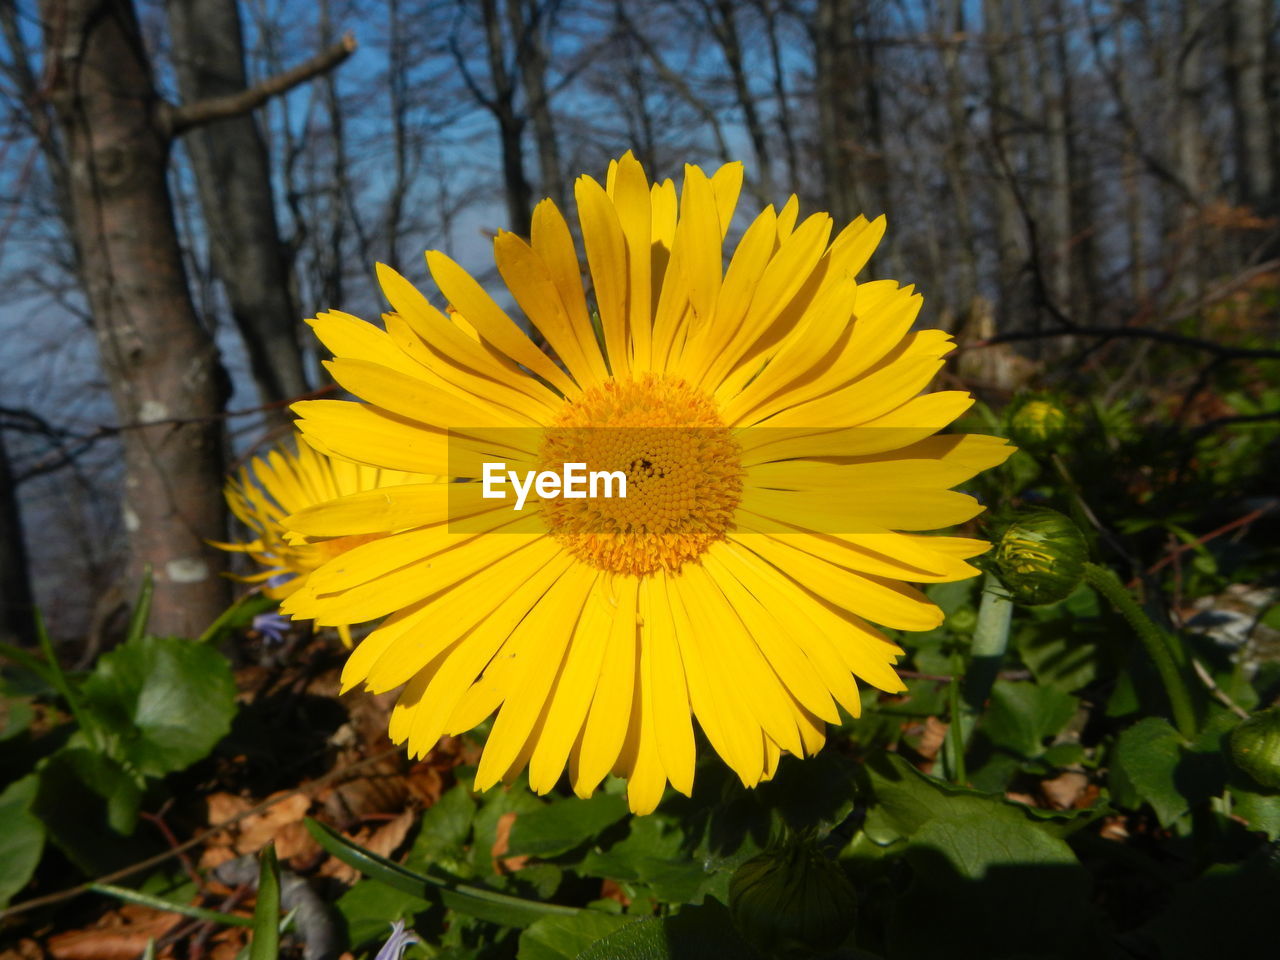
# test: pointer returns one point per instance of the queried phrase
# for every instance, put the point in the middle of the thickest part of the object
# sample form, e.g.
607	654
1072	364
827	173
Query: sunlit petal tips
765	412
285	482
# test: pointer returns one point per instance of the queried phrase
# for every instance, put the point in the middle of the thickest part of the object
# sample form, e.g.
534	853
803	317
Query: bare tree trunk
853	168
1009	250
1247	33
162	367
510	122
530	23
234	181
398	81
721	16
957	154
1055	211
1188	142
771	13
17	621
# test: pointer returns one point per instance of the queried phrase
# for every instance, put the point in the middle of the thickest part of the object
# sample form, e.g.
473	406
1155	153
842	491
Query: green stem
955	734
990	641
1108	584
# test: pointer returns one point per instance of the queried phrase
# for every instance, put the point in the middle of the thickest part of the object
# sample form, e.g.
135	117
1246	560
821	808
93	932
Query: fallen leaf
1065	790
502	843
260	828
384	841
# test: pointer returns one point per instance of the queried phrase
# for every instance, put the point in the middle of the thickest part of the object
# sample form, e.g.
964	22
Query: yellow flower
767	413
287	482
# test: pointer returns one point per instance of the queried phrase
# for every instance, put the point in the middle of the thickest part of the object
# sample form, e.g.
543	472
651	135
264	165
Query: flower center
682	466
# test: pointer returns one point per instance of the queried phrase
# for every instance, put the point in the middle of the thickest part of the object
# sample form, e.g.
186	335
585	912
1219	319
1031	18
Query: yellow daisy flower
768	414
285	482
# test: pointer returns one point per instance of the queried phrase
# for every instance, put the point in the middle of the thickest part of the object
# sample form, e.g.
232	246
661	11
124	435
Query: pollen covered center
683	472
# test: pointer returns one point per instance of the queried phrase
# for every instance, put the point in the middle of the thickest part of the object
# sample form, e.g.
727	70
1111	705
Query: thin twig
180	119
198	839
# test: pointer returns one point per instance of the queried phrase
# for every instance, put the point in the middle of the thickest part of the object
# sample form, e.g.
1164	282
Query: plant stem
1108	584
956	733
990	641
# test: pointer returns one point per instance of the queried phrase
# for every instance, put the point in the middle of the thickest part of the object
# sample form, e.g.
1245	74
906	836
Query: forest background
1090	181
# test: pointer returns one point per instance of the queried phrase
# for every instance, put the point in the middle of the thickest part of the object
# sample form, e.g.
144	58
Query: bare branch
190	115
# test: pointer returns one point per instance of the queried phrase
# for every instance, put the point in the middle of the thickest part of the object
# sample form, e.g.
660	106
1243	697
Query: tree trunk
234	181
17	622
162	366
722	18
529	27
1008	228
1247	33
510	123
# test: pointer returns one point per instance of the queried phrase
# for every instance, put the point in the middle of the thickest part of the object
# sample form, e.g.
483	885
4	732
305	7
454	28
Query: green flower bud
1255	747
1041	557
1038	422
792	902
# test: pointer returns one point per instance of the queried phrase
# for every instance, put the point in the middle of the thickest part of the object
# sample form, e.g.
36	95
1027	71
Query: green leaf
695	933
1023	715
165	701
21	837
369	907
653	854
474	901
83	800
16	715
1143	768
906	800
265	943
564	938
1059	656
1260	810
160	903
563	824
442	833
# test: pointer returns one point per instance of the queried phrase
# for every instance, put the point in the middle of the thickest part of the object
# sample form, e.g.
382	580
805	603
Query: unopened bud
1255	747
1041	557
792	902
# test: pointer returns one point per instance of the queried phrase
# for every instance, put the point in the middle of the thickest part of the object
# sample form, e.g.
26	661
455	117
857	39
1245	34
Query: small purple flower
394	948
273	626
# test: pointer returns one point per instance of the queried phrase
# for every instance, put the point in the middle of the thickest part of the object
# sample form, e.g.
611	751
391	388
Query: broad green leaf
1151	763
1062	656
564	938
654	854
164	700
370	907
443	832
1022	716
563	824
265	943
1260	810
16	715
473	901
99	773
695	933
21	837
82	819
906	800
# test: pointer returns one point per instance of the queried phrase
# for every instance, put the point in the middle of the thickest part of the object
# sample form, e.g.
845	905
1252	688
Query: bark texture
162	366
234	182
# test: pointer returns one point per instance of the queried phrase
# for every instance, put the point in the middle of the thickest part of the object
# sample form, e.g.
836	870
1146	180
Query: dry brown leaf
260	828
384	841
27	949
120	935
932	737
1065	790
502	843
